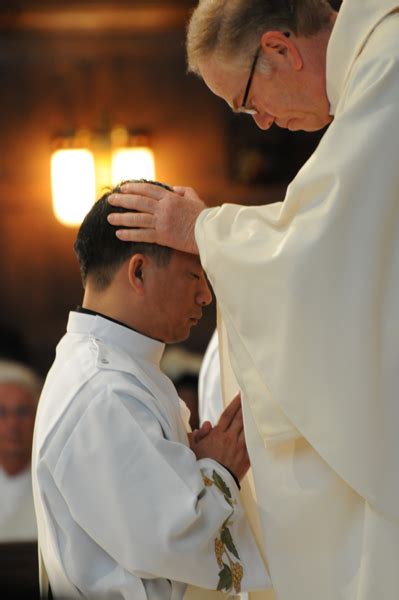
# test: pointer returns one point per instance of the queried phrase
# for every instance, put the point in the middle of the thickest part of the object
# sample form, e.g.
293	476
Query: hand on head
225	442
163	217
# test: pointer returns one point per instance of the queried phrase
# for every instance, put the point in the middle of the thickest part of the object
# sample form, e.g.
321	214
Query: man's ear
278	46
137	266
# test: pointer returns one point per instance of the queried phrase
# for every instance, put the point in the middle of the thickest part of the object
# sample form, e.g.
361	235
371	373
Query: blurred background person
19	393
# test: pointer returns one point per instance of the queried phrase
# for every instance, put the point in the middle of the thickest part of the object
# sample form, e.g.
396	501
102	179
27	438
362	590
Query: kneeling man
126	508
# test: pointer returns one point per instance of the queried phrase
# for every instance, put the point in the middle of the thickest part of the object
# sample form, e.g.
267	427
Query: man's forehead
187	258
223	80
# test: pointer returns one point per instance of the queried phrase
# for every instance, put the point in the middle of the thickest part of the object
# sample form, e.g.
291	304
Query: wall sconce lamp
84	164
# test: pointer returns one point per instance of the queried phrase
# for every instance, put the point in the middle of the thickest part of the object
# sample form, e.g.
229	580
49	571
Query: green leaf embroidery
225	578
228	541
229	502
231	575
221	484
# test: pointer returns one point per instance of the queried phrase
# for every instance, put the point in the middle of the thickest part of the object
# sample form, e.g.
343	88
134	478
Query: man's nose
263	120
11	421
204	296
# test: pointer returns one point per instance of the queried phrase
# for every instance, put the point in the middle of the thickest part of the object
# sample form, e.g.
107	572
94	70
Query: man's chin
178	337
295	125
308	125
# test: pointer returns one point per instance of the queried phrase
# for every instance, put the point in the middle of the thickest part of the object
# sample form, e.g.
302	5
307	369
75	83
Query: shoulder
377	65
96	389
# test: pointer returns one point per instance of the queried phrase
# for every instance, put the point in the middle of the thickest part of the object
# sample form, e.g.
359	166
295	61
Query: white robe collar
355	22
131	342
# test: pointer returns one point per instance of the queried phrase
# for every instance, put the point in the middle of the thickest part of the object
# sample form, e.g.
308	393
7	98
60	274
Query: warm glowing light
132	163
73	185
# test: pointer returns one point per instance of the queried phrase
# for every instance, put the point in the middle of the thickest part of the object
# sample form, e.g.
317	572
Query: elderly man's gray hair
22	375
231	29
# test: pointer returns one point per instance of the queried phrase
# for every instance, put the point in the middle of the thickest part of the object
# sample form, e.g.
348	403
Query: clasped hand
225	442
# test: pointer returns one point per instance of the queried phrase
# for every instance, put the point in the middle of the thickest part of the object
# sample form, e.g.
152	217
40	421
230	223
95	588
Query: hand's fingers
144	189
241	436
229	413
206	427
128	219
179	189
236	424
137	235
193	435
187	192
134	202
201	433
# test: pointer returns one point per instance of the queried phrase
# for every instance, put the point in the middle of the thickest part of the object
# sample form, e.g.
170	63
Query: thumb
179	189
187	192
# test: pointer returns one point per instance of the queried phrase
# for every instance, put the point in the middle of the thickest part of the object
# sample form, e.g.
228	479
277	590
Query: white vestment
210	401
309	293
124	508
17	513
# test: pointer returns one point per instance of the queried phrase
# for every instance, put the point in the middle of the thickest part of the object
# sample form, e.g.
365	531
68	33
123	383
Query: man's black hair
100	253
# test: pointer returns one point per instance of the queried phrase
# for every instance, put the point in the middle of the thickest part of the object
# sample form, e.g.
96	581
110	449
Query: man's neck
89	311
116	305
107	305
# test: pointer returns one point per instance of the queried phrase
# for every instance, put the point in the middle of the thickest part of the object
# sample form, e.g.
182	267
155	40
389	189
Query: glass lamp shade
73	185
132	163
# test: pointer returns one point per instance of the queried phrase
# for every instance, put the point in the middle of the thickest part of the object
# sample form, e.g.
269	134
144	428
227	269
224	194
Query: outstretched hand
162	217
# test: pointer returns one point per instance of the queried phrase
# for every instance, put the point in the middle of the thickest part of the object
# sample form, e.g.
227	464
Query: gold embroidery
231	572
208	482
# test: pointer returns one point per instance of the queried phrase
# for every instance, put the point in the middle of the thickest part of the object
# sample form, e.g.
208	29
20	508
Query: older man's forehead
223	80
12	393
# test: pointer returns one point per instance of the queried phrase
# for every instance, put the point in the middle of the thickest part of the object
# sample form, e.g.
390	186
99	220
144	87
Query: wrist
234	476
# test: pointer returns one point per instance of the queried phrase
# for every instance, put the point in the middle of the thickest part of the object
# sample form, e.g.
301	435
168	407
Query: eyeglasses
21	412
243	108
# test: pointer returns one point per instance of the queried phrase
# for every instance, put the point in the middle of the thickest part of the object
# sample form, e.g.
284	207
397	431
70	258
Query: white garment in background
210	401
309	293
123	509
17	512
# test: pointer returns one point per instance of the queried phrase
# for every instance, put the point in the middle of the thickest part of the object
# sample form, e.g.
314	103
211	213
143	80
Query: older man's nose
263	120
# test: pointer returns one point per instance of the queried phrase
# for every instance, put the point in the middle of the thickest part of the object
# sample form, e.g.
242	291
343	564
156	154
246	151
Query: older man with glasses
308	288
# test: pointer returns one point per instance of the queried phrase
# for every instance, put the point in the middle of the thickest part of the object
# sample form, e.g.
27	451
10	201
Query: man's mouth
196	319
